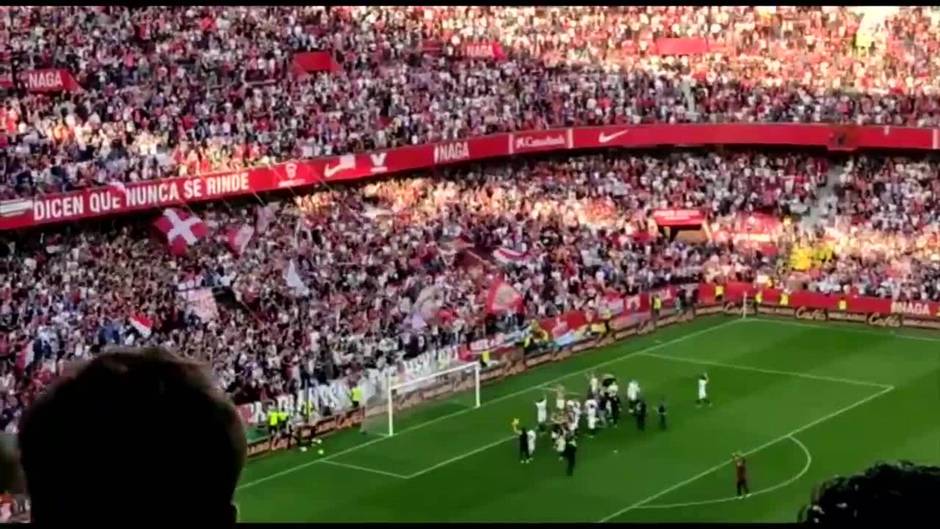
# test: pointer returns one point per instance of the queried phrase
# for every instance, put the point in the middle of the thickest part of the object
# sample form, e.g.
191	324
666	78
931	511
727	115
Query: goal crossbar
392	389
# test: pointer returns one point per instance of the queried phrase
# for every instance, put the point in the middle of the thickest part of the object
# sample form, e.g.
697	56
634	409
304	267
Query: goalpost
452	388
744	307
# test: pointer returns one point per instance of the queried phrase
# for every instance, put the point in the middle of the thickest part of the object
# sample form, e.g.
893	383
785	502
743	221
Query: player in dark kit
661	410
740	469
615	409
571	451
641	414
524	455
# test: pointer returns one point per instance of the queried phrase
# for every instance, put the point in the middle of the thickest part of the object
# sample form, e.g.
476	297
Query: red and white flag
502	297
426	307
611	304
238	237
181	229
264	215
202	303
142	324
25	357
509	256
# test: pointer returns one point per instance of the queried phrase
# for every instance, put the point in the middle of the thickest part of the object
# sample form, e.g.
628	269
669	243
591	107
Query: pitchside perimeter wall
508	358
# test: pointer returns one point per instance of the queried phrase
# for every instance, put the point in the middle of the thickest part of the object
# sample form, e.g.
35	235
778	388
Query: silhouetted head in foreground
885	493
134	435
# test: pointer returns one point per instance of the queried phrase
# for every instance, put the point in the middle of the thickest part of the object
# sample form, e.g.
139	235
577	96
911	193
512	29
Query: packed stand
181	90
365	254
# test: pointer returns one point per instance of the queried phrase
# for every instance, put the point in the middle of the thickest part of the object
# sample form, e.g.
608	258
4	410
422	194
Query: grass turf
805	401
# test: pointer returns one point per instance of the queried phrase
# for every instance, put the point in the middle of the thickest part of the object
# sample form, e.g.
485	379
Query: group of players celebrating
601	409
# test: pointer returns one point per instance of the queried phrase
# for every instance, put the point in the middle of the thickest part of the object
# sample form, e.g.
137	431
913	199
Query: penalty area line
772	442
809	461
363	469
508	396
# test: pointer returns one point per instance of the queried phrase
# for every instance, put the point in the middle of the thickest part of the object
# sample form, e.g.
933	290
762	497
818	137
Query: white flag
294	281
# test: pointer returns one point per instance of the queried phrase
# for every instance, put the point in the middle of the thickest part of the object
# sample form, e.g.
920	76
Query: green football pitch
804	401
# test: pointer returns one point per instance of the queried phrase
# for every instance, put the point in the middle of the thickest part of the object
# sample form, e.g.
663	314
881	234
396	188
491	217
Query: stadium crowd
182	90
364	254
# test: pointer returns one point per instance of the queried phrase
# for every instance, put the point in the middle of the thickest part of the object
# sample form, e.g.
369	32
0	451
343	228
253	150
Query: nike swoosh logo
331	170
606	138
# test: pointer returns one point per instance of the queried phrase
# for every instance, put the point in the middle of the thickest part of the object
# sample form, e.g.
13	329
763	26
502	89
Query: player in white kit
574	415
593	386
590	409
541	413
703	391
560	398
530	437
633	395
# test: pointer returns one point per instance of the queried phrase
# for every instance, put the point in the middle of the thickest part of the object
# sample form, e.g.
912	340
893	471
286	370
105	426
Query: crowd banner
682	46
678	217
483	50
154	194
308	62
49	80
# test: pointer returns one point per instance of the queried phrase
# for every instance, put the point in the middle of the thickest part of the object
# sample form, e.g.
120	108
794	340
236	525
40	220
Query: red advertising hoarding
109	200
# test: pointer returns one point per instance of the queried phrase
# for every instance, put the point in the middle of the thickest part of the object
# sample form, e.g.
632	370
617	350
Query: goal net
400	400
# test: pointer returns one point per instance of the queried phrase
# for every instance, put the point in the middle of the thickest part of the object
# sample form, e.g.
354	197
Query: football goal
399	398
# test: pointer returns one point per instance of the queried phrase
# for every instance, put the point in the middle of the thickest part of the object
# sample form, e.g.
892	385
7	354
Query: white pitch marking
751	451
809	461
487	403
767	371
364	469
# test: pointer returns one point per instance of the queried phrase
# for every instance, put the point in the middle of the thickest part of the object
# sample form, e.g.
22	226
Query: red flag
509	256
25	357
142	324
238	237
501	297
181	229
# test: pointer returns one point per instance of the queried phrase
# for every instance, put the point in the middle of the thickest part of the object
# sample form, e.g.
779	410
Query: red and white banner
25	357
181	229
509	256
483	50
44	81
142	324
137	196
502	297
201	302
238	237
678	217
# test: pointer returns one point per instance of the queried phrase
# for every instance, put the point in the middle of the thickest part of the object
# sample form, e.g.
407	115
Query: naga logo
346	161
607	138
378	162
451	152
532	142
911	308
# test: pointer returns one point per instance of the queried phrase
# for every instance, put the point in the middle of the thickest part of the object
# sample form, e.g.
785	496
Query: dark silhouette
134	435
886	493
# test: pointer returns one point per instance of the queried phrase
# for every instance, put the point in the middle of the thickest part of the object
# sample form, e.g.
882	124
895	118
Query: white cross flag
181	229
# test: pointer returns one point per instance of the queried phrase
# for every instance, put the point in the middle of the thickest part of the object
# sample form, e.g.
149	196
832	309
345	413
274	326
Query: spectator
157	425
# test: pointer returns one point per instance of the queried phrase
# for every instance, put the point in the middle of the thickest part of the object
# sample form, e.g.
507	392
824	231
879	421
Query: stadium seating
326	284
